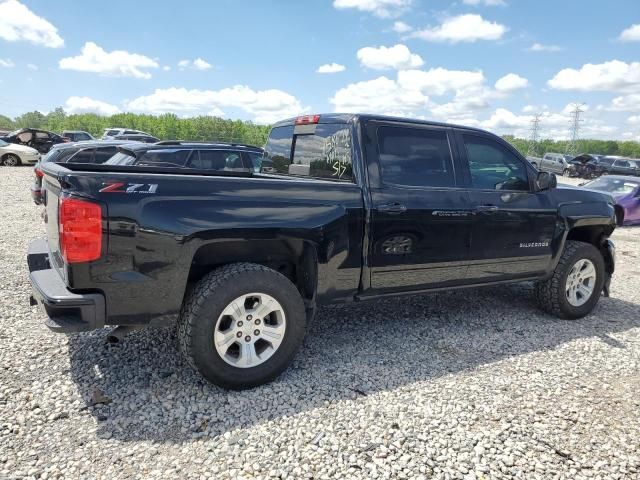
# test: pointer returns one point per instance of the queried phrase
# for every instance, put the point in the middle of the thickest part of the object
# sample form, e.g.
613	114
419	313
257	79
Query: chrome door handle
486	208
392	208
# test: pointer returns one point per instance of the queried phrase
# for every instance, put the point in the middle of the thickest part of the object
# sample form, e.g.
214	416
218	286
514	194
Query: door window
104	154
622	163
415	157
494	167
83	156
216	160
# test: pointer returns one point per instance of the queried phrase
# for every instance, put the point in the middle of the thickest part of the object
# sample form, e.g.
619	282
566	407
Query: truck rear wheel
575	286
242	325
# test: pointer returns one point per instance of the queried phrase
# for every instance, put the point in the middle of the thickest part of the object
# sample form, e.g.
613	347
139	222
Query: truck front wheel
575	286
242	325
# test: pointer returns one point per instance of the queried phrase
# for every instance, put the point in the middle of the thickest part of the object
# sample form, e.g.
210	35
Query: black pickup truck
354	207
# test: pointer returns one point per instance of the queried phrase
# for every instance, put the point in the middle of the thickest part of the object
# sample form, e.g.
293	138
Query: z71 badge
121	187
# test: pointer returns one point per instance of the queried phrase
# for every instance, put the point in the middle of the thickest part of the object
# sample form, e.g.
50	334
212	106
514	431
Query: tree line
165	127
207	128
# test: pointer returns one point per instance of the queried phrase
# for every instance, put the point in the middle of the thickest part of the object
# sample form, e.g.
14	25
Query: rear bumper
36	195
610	261
65	311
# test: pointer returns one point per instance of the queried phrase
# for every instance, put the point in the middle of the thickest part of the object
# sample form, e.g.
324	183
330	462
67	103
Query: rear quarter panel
153	237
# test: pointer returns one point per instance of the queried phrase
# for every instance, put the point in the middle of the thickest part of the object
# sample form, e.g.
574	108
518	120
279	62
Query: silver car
555	163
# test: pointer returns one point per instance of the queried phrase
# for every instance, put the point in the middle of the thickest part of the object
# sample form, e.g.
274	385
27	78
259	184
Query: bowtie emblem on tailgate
122	187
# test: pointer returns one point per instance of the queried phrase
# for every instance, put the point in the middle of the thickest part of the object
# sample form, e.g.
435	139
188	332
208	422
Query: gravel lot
472	384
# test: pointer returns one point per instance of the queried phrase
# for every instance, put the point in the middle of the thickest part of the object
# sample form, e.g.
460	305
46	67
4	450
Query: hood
17	148
572	193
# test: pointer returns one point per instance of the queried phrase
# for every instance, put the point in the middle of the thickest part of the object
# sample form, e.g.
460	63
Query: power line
532	148
572	146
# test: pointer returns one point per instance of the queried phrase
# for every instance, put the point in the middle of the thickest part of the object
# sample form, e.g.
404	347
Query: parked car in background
41	140
143	137
95	151
626	191
12	155
110	133
555	163
77	135
584	165
614	165
199	156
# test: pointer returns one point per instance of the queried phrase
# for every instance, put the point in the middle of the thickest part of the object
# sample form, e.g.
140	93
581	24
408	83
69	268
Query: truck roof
348	117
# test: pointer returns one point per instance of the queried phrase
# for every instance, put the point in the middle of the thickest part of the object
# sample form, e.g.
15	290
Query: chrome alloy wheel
250	330
580	282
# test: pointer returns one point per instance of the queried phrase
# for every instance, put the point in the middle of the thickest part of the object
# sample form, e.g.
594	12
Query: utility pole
532	149
572	146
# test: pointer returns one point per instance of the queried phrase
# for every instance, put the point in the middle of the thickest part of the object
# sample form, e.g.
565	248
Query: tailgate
51	193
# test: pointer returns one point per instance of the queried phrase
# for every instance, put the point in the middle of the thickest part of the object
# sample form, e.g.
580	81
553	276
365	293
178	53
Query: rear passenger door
514	225
420	221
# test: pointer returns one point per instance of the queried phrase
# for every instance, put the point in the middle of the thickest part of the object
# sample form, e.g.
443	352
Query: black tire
11	160
551	293
206	302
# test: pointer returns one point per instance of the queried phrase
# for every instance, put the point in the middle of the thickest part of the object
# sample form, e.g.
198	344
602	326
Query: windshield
613	185
3	143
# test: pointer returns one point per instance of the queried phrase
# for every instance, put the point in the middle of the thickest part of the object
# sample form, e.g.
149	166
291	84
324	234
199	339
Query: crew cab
354	207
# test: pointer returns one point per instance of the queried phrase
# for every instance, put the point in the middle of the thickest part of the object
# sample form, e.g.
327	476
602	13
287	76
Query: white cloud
118	63
331	68
32	66
488	3
409	94
625	103
634	120
380	8
265	106
200	64
166	68
89	105
383	58
401	27
8	63
511	82
631	34
534	108
381	95
539	47
197	64
438	81
615	76
463	28
18	23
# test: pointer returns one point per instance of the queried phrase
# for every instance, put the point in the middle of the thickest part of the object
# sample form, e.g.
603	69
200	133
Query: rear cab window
321	151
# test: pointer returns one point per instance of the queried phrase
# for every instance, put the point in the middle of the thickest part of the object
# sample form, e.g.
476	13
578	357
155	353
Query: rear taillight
80	230
38	172
307	119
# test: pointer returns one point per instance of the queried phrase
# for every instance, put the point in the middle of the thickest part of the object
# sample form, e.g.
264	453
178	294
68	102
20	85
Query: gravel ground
473	384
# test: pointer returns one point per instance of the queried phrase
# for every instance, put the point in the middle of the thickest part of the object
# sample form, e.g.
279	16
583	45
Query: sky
494	64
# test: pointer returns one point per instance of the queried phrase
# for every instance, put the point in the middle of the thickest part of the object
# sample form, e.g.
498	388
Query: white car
111	133
13	154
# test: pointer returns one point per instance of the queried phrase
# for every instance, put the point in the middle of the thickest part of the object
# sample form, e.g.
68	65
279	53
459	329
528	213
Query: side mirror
546	181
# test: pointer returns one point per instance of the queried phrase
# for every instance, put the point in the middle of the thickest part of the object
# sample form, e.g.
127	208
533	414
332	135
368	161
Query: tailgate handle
392	208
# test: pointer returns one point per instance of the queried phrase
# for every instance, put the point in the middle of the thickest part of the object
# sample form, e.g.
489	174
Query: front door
514	225
420	221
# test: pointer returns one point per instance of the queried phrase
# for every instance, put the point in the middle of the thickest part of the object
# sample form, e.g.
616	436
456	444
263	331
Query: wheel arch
294	258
